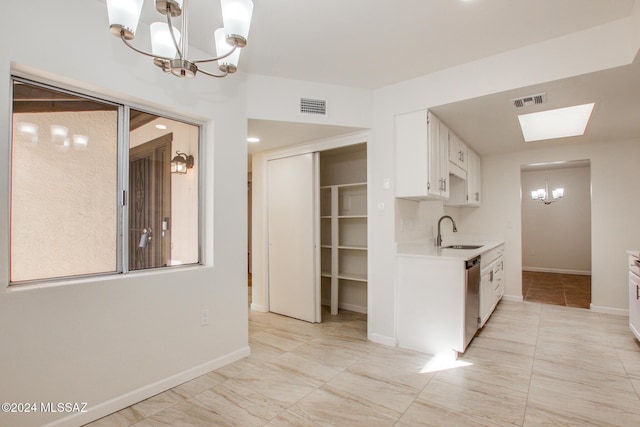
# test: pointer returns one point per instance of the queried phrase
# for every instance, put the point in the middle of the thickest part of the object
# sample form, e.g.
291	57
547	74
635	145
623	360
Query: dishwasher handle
472	262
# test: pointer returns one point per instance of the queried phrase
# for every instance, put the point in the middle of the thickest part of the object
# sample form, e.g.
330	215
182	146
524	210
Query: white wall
115	340
556	238
279	99
613	178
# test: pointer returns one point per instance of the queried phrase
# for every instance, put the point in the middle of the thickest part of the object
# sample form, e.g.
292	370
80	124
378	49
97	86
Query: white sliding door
294	254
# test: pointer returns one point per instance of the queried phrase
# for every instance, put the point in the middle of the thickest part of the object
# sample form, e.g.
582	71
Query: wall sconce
181	162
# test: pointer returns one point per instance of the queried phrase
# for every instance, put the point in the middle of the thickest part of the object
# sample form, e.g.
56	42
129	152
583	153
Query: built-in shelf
343	210
353	277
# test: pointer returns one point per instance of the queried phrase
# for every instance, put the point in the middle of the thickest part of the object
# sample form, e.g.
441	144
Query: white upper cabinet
422	156
443	157
473	179
457	151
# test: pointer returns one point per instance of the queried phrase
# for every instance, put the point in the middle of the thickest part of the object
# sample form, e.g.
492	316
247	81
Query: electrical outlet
204	317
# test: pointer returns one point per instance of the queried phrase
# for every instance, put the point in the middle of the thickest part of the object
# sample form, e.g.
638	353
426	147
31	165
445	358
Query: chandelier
169	47
542	194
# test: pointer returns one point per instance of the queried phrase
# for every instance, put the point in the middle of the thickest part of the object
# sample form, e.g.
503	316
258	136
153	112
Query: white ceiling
489	124
374	43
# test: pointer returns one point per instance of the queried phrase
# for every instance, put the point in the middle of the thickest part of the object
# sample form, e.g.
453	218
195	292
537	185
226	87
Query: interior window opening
72	212
163	192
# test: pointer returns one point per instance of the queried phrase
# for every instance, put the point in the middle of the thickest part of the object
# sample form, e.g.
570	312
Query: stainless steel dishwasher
472	299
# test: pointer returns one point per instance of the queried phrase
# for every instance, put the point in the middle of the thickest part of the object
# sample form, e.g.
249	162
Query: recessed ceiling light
161	126
253	139
558	123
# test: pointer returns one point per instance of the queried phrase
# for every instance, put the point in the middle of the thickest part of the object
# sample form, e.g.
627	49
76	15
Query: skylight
558	123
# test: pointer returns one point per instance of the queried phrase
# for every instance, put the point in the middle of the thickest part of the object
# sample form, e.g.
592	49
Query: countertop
428	250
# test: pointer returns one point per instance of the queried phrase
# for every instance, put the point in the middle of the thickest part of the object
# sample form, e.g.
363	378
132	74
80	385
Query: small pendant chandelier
543	195
169	47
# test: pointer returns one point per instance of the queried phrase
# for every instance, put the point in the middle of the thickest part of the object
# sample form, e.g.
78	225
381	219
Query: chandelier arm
173	36
213	75
132	47
197	61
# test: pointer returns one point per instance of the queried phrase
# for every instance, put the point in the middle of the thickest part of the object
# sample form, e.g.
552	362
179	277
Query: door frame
164	175
260	248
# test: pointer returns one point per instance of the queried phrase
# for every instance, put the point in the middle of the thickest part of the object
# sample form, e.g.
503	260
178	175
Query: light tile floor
531	365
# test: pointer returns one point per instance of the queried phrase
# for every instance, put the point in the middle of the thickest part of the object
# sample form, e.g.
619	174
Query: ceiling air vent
529	100
313	106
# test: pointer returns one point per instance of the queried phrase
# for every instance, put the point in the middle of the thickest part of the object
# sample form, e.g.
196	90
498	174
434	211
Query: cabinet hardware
491	276
637	292
477	196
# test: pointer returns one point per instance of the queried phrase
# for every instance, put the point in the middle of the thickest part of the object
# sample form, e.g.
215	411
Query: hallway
570	290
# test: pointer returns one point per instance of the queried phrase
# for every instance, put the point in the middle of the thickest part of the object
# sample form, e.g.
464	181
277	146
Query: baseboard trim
513	298
609	310
258	307
382	339
100	410
347	306
557	270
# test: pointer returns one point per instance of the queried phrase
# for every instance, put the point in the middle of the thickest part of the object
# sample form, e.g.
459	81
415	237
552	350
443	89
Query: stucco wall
62	196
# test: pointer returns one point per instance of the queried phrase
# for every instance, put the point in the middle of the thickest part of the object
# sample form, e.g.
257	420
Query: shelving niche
343	228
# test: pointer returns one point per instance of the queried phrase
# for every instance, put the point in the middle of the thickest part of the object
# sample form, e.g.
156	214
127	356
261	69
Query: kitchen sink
462	247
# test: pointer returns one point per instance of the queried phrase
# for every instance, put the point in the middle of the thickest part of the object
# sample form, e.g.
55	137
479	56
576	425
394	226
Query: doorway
556	233
150	204
340	221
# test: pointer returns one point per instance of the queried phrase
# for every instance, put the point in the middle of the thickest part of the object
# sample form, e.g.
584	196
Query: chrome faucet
439	238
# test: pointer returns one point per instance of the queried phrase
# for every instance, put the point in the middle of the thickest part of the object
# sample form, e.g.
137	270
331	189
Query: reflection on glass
163	207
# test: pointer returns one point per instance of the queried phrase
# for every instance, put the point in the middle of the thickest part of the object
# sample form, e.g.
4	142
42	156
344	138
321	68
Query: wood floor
570	290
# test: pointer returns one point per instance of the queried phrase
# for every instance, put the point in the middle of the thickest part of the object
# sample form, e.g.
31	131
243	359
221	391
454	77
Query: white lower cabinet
486	295
431	299
634	295
431	305
491	282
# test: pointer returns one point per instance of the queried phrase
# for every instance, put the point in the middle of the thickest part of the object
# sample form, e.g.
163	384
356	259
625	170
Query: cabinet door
634	304
412	154
443	161
473	179
462	154
499	280
435	152
453	148
486	295
293	230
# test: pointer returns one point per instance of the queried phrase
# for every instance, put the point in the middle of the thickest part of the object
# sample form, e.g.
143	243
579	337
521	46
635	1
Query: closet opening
343	230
